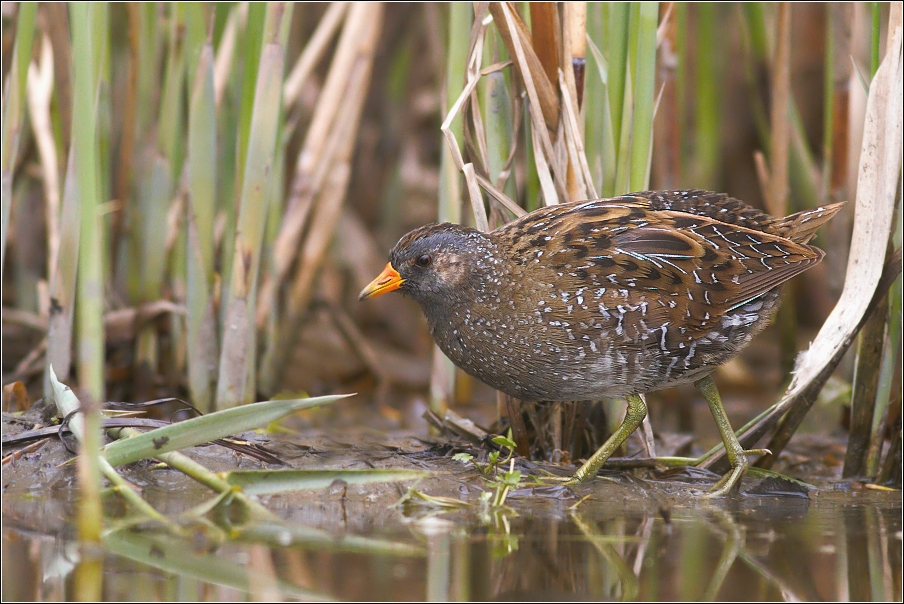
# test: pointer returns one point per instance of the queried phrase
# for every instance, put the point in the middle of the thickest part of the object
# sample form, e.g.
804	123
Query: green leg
737	456
637	410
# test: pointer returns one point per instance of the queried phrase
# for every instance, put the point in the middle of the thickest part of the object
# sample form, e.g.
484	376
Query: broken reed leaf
67	403
200	430
268	482
764	473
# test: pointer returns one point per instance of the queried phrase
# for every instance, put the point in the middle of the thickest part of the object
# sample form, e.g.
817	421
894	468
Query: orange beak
387	281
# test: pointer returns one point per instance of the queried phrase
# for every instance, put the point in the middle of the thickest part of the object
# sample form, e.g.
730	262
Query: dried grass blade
63	282
447	126
501	197
313	52
516	36
575	142
542	100
480	211
305	185
40	91
547	184
331	173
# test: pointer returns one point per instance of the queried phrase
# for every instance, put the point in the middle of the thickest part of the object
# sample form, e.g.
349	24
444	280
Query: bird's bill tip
387	281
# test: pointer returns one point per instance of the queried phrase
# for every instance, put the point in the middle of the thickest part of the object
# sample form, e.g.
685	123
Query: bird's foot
732	479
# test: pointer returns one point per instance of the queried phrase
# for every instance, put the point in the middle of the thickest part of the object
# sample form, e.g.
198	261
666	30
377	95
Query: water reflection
839	546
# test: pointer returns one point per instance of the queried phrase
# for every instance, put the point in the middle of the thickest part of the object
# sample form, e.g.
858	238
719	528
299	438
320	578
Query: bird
612	297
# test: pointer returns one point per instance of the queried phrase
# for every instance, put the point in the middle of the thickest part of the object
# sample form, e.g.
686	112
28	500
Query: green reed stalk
251	42
602	155
594	95
532	185
889	364
169	123
196	25
154	195
497	111
14	111
99	13
237	361
624	134
442	382
681	130
200	210
644	95
150	45
617	41
707	101
90	291
90	295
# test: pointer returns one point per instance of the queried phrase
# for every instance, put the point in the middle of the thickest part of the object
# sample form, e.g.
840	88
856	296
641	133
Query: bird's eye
423	261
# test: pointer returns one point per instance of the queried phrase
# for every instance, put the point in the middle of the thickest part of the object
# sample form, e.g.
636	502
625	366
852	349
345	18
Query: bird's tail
801	227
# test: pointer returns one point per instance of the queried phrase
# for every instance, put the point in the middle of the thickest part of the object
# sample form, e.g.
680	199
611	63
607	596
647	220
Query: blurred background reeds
194	194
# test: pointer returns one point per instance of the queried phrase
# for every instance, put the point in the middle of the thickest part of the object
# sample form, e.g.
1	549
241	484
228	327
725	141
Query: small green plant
489	468
501	486
490	471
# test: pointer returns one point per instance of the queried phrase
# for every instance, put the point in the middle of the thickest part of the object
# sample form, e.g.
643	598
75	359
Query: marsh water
625	536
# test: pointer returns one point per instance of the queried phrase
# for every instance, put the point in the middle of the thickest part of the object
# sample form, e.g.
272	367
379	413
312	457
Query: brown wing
707	267
691	264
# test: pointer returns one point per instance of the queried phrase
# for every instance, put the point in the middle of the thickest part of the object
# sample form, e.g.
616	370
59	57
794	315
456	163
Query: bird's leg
637	410
737	456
